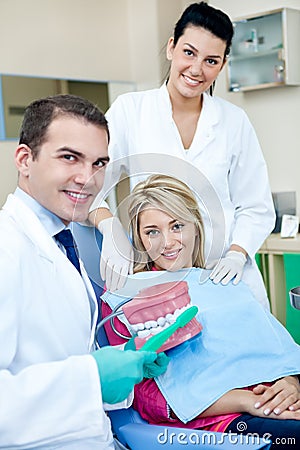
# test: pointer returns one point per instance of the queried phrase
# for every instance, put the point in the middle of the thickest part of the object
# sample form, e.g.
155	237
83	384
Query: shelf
277	245
251	55
257	86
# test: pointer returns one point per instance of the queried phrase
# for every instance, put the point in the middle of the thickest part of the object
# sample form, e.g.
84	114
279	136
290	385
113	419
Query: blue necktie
65	237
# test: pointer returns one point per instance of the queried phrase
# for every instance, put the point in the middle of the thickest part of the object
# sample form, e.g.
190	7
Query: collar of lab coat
51	222
210	108
29	224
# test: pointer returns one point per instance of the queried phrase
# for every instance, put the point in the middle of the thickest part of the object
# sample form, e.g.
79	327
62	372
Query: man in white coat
54	387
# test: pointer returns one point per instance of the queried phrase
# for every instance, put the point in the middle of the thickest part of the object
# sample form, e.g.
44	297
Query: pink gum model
157	307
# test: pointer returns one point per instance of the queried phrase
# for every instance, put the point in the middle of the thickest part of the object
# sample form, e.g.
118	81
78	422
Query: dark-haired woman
182	119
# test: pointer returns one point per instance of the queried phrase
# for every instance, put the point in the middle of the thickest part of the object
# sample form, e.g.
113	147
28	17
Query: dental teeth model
156	308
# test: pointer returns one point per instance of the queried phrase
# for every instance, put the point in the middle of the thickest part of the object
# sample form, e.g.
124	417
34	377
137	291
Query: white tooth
143	333
138	326
177	313
156	330
170	318
77	195
161	321
150	324
191	81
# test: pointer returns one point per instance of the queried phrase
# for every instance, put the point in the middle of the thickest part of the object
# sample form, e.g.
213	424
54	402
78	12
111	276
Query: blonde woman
183	238
167	233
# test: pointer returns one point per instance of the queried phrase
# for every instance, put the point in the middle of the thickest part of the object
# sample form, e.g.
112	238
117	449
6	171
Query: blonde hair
173	197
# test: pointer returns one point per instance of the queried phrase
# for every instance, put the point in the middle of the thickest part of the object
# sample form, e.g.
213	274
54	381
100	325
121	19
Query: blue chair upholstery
127	424
152	437
89	243
135	433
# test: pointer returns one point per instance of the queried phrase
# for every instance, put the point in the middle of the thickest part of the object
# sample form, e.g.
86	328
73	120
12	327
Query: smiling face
69	170
168	241
196	60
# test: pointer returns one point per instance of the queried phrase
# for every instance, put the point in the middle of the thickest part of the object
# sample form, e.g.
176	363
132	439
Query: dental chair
127	424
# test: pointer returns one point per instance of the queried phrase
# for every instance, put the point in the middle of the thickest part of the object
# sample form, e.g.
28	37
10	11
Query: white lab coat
224	166
50	394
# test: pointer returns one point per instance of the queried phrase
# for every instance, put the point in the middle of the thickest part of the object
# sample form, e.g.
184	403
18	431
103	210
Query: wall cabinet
265	51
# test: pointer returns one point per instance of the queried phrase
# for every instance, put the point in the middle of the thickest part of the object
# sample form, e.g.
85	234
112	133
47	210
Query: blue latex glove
154	369
130	344
119	371
158	367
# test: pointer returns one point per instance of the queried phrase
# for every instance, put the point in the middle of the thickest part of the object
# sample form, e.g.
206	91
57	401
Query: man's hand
154	369
120	370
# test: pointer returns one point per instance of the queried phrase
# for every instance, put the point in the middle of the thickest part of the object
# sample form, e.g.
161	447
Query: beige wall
85	39
105	40
123	40
65	38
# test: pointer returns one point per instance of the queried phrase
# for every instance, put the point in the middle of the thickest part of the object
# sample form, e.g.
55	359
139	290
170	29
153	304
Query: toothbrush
156	341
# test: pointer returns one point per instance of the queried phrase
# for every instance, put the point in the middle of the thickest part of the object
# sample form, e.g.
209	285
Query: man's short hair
40	114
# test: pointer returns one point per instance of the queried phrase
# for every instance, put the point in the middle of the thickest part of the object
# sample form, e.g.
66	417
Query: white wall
274	112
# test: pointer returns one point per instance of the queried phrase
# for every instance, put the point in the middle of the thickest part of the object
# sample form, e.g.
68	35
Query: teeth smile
171	254
190	80
79	196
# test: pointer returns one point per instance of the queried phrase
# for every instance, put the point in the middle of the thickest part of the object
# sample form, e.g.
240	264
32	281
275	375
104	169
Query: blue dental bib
241	344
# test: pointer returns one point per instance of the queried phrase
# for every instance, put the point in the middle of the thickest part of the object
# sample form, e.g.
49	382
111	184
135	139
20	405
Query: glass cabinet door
259	51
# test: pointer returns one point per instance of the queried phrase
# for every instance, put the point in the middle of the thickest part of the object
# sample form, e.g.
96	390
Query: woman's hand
283	395
244	401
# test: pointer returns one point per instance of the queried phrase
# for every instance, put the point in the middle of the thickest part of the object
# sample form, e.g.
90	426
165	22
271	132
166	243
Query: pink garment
149	401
